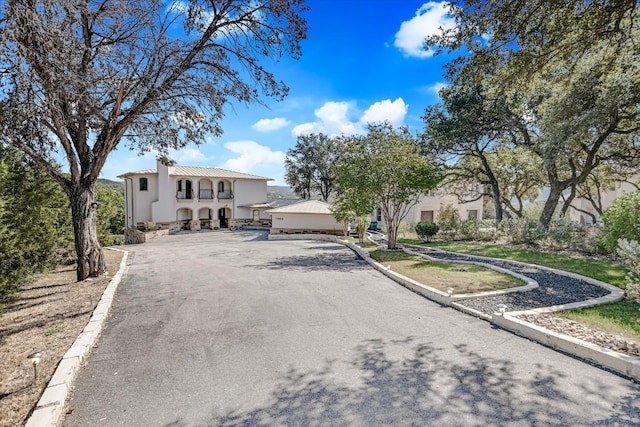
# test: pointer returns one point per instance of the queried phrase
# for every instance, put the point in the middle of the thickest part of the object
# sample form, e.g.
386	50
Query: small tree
385	168
426	230
621	221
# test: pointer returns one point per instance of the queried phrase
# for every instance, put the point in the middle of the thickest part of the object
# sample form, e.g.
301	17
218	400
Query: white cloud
435	88
188	155
267	125
252	157
393	112
333	120
429	20
336	118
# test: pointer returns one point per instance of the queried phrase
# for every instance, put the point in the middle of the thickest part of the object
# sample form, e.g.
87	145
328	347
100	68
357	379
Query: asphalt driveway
226	329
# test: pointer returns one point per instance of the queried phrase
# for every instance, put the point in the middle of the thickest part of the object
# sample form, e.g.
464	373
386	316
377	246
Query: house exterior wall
161	204
283	222
607	198
434	201
247	192
429	205
138	203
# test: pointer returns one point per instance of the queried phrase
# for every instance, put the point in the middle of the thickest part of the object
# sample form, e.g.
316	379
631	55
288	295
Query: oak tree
79	78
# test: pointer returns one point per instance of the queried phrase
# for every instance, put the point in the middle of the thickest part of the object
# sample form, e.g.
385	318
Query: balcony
185	195
207	194
225	195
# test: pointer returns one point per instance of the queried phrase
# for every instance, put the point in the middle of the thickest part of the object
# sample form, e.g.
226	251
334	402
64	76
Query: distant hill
280	192
114	185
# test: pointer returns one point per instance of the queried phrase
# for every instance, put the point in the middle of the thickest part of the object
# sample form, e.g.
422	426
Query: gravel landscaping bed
554	289
577	330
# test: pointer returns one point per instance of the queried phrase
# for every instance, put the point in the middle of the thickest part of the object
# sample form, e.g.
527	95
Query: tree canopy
81	77
384	168
563	80
309	165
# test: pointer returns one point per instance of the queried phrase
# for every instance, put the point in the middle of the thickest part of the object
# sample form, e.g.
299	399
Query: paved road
227	329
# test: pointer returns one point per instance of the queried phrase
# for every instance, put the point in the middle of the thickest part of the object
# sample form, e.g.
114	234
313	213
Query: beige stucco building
428	208
310	216
581	207
194	197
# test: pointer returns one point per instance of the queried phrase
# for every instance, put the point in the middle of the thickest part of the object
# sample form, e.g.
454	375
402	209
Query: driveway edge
621	363
49	409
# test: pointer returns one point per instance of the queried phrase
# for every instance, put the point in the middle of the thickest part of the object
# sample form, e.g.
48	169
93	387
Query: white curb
49	410
618	362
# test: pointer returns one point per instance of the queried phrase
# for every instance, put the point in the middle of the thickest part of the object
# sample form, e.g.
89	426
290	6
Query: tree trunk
392	235
550	206
497	201
91	262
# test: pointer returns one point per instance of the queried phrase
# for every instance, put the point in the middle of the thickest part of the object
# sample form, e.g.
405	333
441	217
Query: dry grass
47	316
463	278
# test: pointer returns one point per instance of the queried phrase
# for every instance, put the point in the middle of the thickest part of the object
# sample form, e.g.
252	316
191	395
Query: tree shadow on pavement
431	386
334	261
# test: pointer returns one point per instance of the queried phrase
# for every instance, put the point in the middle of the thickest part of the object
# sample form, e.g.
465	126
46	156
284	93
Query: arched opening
184	189
224	216
205	190
224	190
205	216
184	217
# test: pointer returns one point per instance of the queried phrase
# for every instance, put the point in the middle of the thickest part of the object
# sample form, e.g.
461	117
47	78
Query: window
473	214
426	216
144	184
256	215
379	214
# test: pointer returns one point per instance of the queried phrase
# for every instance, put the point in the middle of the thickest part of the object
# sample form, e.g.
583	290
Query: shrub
522	230
629	250
426	229
621	221
449	222
469	229
565	234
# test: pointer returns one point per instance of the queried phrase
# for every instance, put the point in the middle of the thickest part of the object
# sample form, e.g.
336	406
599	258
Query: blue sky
362	62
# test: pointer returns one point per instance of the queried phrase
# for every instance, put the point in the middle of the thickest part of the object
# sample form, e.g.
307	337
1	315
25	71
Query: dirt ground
46	316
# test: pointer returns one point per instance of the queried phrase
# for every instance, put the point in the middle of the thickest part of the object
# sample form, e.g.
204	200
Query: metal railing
225	194
185	195
206	194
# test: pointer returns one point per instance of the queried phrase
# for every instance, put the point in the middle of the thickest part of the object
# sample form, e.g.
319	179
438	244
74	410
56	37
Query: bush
522	230
621	221
565	234
449	219
426	229
629	250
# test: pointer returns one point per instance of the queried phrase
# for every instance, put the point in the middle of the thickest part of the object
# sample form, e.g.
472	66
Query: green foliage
629	251
110	219
426	229
522	230
449	219
309	165
621	221
35	224
384	168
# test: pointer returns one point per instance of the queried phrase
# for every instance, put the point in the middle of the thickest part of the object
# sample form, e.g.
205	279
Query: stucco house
310	216
189	197
428	207
582	210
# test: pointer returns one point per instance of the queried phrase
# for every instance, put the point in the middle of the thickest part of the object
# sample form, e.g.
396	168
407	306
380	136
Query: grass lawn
463	278
621	317
605	271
